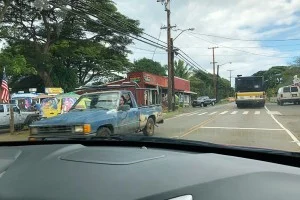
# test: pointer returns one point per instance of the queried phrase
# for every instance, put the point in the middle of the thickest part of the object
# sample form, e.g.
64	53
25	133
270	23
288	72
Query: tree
148	65
39	30
182	70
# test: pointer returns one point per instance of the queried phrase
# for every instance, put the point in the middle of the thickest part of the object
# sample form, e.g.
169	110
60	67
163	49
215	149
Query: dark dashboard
75	171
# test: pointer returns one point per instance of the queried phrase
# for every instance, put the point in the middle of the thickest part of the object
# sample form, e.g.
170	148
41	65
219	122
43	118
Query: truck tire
103	132
205	105
149	128
202	105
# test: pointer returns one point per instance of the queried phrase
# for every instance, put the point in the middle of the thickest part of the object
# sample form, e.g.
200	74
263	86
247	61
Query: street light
217	82
189	29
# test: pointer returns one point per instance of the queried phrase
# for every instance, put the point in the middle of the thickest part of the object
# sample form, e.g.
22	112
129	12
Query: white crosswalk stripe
234	112
222	113
212	113
256	112
202	113
245	112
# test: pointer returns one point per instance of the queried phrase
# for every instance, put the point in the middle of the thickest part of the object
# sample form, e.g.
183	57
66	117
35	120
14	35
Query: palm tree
182	70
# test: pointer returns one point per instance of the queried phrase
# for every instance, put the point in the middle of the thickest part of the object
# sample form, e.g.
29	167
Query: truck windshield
249	84
97	101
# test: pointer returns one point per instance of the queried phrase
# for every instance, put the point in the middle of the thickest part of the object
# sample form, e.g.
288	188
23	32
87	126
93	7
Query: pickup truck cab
100	114
288	94
21	118
203	101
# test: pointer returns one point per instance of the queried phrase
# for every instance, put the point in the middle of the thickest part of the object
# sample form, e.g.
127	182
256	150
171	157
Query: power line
152	43
241	50
243	47
249	40
145	49
123	22
192	60
158	39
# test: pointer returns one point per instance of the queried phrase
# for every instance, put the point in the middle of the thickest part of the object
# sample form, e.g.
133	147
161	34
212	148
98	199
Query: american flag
4	89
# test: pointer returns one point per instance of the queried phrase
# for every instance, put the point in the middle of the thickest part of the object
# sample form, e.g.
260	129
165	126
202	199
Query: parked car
289	94
100	114
21	118
203	101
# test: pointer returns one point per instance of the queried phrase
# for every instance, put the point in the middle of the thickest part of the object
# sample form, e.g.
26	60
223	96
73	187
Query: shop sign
147	78
135	79
54	90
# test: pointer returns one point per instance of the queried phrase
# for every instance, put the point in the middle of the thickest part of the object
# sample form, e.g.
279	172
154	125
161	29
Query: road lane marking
245	112
237	128
222	113
198	126
274	113
234	112
212	113
286	130
202	113
256	112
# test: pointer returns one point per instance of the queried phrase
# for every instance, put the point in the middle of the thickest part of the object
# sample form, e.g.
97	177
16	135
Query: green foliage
182	70
279	76
148	65
52	37
202	84
15	65
64	78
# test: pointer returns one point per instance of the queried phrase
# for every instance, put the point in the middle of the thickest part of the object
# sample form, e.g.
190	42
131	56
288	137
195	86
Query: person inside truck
128	100
122	101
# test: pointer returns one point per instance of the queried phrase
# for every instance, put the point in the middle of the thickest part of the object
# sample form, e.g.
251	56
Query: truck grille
59	130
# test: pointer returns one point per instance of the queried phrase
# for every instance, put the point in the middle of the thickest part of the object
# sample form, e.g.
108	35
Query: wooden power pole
214	70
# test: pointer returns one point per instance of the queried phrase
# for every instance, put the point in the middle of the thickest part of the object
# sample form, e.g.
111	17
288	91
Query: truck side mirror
124	108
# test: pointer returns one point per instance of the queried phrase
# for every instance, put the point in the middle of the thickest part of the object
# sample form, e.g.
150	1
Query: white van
289	94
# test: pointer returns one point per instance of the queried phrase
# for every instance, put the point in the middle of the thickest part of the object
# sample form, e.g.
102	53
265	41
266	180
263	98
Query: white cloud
245	19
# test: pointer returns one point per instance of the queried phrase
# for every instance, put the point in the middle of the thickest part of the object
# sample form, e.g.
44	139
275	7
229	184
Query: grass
17	136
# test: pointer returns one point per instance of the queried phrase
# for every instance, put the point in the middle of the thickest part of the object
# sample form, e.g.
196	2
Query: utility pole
172	74
230	70
170	50
214	70
217	83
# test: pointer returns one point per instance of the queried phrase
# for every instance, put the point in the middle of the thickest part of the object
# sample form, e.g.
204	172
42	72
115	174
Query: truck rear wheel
103	132
149	128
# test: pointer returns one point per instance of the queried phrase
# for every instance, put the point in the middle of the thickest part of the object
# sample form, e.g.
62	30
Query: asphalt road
272	127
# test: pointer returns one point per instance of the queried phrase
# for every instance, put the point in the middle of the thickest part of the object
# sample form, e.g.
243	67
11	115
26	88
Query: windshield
107	101
249	84
223	72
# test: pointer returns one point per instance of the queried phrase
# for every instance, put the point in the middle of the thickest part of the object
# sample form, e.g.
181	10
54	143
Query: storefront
155	88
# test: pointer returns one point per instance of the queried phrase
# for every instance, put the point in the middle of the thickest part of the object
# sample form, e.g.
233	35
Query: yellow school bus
250	91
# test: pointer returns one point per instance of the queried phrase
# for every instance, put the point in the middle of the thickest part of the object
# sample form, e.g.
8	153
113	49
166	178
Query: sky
251	26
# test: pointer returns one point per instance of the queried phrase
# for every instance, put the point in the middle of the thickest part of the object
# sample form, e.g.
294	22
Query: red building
155	88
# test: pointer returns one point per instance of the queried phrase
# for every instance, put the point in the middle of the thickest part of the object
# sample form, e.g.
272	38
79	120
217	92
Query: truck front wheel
103	132
149	128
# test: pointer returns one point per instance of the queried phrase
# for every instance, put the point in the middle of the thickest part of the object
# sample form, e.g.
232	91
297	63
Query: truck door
4	116
133	113
286	93
128	121
294	92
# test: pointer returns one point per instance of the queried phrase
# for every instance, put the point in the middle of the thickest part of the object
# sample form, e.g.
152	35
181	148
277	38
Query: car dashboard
75	171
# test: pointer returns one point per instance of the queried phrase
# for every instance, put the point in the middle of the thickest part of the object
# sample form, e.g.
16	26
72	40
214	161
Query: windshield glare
219	71
107	101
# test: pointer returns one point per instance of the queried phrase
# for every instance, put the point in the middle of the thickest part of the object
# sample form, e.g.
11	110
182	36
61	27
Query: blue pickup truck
100	114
